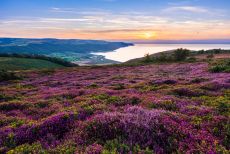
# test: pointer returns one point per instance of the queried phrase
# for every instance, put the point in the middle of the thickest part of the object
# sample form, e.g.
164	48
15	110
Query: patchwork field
168	108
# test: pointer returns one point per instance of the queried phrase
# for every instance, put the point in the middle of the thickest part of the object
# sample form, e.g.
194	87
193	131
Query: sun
149	35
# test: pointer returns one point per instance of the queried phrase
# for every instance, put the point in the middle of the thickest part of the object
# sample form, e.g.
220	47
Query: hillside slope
164	108
72	50
47	46
167	56
13	64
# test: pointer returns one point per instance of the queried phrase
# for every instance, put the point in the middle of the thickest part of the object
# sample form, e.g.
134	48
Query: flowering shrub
55	127
160	130
167	108
94	149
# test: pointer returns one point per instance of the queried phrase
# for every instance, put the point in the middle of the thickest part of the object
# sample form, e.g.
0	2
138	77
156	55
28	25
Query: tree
147	58
181	54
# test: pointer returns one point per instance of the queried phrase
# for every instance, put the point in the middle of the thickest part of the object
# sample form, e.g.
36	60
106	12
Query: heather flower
156	129
57	125
180	108
94	149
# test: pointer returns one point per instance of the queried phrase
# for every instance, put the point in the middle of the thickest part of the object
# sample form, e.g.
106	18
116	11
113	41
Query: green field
13	64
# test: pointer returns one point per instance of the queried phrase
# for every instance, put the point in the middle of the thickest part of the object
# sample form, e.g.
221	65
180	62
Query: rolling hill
169	56
14	63
48	46
73	50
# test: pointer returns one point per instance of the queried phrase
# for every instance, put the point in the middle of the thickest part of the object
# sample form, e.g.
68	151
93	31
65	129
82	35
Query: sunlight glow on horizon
149	35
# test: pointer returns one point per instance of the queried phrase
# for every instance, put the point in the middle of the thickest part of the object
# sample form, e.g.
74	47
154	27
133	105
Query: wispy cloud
122	30
193	9
92	11
62	10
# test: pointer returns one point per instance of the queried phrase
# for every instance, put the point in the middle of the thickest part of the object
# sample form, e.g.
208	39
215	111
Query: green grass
221	66
14	64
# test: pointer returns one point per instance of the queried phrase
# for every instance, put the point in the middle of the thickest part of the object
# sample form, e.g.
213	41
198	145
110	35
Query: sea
140	50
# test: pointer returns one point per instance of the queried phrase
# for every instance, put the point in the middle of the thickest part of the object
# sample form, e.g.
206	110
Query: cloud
121	30
64	19
62	10
193	9
105	24
92	11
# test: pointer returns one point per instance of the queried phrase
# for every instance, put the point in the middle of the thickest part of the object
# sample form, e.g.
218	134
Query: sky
116	19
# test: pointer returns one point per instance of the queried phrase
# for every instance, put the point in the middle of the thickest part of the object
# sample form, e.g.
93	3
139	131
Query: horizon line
137	41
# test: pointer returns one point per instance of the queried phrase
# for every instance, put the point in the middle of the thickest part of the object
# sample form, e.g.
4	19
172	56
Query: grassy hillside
13	63
181	55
